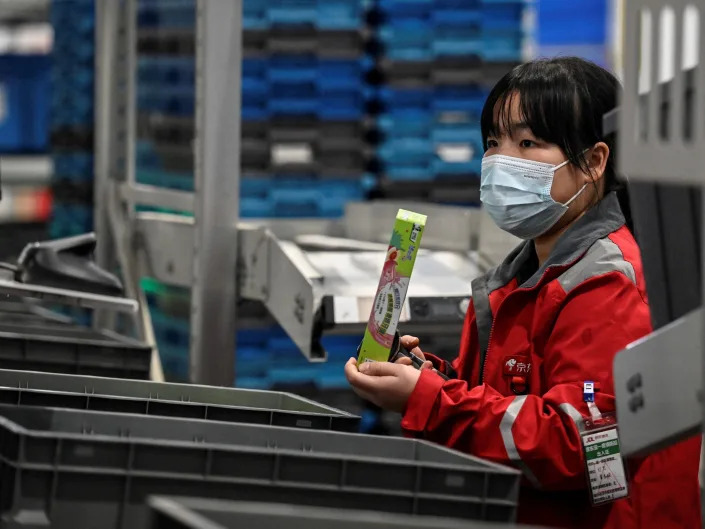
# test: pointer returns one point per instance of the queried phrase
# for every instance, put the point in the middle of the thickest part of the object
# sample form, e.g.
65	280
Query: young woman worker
550	317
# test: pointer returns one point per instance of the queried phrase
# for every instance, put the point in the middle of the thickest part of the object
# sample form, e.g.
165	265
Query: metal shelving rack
207	244
659	380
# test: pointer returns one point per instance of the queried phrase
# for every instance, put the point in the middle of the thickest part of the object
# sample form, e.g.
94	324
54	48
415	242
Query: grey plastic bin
72	349
196	513
27	388
82	469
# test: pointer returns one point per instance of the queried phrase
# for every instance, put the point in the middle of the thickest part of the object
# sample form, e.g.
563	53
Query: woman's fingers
409	342
403	360
418	352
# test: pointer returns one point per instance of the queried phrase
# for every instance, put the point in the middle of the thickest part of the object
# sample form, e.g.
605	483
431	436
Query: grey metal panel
646	213
289	286
646	153
658	382
217	187
667	221
681	235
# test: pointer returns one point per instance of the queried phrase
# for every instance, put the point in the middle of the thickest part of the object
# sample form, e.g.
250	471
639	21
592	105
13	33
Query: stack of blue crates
266	357
429	121
24	89
71	118
503	30
303	149
304	98
437	60
560	31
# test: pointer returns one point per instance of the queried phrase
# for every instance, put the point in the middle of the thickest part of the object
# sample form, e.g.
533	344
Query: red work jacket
516	390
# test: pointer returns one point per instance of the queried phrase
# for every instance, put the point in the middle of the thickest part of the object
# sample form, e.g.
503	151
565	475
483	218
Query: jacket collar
597	223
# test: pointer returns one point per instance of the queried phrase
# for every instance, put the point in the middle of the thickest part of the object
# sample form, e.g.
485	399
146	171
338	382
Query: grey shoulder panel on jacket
602	257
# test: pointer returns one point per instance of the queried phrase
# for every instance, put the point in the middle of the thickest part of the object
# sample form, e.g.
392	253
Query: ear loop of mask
576	195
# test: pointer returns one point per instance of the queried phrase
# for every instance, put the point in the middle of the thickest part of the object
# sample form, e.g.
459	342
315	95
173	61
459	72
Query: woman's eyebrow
519	125
513	128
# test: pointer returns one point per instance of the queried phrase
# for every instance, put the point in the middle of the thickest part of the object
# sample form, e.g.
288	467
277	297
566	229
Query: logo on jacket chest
516	366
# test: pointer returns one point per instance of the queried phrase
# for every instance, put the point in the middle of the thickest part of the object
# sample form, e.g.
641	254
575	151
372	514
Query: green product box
392	288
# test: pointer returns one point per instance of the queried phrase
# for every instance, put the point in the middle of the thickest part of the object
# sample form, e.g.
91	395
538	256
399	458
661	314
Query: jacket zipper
483	367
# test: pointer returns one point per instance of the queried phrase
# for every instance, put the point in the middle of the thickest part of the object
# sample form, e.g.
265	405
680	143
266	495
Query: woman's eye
527	143
492	144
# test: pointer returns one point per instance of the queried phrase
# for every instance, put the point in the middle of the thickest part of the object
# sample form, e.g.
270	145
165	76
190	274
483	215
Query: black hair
562	101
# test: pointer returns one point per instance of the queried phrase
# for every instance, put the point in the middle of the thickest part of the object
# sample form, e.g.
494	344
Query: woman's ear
597	161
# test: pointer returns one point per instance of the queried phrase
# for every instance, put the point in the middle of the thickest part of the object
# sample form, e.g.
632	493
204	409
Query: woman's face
568	180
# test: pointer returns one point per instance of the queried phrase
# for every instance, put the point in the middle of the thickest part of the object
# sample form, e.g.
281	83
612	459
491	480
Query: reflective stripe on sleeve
505	427
571	412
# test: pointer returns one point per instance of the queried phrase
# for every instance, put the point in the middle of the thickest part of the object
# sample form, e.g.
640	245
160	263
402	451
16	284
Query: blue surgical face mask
517	195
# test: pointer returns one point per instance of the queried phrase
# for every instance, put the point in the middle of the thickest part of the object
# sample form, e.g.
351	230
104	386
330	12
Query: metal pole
130	108
115	132
106	40
217	179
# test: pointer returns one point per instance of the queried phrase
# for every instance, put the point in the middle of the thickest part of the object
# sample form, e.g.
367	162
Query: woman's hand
387	385
411	344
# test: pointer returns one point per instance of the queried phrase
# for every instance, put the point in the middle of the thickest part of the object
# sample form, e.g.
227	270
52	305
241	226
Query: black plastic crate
197	513
307	130
72	138
161	41
494	71
171	129
452	189
174	157
308	147
304	40
72	349
324	156
460	71
180	131
26	388
81	469
70	191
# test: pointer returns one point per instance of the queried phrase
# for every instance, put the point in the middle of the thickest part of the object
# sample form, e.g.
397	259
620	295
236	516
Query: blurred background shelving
342	100
26	41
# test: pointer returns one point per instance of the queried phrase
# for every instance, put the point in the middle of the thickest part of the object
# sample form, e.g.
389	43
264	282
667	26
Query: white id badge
606	473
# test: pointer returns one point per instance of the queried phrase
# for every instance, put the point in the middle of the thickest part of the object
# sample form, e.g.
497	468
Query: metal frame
212	232
659	380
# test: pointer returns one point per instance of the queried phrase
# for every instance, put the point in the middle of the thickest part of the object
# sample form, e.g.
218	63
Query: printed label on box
392	287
